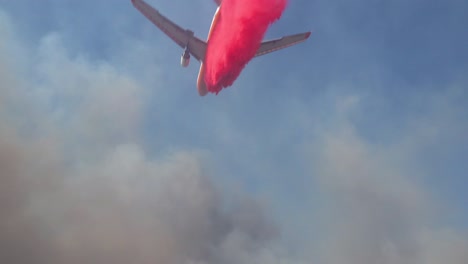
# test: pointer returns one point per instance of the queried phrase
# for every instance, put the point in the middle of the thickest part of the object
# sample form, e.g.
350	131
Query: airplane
196	47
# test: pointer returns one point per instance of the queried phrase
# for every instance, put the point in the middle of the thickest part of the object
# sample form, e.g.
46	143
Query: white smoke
76	185
375	210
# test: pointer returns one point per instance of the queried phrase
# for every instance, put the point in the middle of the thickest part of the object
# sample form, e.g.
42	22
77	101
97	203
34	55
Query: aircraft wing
281	43
183	37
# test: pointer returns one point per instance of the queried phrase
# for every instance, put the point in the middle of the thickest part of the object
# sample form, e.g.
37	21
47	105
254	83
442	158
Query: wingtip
308	34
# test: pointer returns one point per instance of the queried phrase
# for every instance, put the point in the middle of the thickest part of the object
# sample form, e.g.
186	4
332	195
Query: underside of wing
197	48
281	43
184	38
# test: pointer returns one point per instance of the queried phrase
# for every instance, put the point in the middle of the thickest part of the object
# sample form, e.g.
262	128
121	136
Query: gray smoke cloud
375	210
76	186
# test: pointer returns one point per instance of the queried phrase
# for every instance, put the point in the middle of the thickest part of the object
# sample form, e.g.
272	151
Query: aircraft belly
201	85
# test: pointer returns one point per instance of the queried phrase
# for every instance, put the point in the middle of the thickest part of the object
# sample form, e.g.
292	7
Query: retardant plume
235	38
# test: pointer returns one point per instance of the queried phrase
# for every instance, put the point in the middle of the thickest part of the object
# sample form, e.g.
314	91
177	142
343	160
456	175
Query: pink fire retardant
236	37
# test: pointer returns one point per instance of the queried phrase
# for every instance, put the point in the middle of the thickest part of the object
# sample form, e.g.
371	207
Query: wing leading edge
183	37
281	43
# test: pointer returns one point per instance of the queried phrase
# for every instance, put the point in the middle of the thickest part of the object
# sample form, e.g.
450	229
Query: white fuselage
201	84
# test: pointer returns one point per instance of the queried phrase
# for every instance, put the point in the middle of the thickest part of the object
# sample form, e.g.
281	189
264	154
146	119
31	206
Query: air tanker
196	47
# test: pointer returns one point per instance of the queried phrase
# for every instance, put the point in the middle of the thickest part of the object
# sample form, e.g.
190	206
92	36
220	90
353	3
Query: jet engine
185	59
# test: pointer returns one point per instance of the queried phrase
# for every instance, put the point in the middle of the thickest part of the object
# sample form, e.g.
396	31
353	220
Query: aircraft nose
202	90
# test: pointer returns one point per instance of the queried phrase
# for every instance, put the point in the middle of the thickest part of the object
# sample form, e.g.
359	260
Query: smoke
236	38
76	186
375	211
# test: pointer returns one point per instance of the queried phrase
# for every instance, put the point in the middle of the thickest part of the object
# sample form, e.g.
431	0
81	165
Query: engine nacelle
185	59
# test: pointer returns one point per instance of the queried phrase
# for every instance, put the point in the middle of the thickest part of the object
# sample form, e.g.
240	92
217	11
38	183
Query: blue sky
348	148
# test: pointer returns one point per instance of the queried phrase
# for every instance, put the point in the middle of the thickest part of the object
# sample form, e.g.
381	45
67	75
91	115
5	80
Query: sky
348	148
